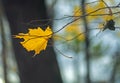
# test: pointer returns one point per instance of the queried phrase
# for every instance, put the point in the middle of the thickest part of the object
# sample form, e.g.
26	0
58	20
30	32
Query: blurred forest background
90	39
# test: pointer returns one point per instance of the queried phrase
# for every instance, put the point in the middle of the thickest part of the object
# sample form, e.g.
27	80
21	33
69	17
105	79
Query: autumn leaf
36	39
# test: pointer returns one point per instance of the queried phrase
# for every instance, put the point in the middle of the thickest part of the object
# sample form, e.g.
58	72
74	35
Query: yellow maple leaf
36	39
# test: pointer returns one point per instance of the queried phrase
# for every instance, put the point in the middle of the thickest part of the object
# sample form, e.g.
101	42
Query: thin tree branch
88	14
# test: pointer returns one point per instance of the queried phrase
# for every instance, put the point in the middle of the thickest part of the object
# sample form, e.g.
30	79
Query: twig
62	53
88	14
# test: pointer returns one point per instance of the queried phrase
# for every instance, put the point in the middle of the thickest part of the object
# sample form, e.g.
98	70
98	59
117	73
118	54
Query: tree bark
40	69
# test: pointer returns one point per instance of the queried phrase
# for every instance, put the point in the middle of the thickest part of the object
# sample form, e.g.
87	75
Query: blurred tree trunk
4	44
87	43
116	64
43	68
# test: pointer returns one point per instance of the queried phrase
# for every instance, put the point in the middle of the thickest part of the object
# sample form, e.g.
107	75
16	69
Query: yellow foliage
74	32
97	10
36	39
108	17
77	11
101	26
94	11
